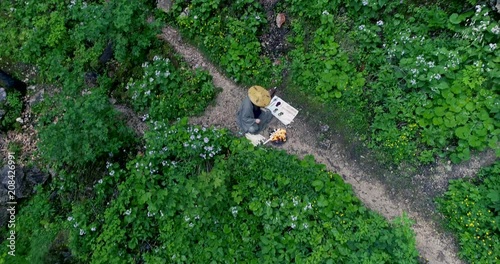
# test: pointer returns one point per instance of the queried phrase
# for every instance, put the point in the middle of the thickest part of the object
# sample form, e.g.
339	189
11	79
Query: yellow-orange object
279	135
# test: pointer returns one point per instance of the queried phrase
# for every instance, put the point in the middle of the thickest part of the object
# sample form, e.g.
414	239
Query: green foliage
319	67
472	211
168	93
61	38
227	32
12	108
35	229
424	81
195	195
81	130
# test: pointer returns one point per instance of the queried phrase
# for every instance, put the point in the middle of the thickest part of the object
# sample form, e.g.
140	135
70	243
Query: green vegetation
472	210
11	107
422	82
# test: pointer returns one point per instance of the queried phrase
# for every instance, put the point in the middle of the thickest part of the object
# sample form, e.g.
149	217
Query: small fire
278	135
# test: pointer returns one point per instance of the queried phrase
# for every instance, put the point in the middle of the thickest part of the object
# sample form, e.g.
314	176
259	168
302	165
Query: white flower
92	229
257	17
197	217
148	92
156	57
307	207
493	46
82	232
365	2
195	17
161	213
293	225
75	225
268	203
413	82
111	173
325	13
186	218
380	23
205	140
305	225
234	211
495	30
362	27
437	76
191	225
151	79
128	212
295	202
70	218
430	64
478	8
293	217
150	214
100	181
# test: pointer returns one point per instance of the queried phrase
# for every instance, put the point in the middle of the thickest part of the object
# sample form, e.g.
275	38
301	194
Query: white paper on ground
256	139
282	110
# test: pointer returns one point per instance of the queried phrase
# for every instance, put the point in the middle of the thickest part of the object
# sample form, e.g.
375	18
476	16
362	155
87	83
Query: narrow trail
434	246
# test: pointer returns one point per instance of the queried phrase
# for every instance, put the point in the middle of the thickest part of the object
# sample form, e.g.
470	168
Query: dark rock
107	54
3	94
4	215
35	176
6	80
20	187
91	79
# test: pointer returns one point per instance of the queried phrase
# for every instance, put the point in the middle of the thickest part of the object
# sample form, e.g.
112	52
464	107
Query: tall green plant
81	130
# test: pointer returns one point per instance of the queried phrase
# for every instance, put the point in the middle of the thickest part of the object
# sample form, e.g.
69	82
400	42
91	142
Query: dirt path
433	246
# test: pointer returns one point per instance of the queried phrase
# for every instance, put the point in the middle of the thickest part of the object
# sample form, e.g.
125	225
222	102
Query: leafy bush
167	92
227	31
319	67
471	208
64	38
12	107
36	227
426	80
81	130
178	203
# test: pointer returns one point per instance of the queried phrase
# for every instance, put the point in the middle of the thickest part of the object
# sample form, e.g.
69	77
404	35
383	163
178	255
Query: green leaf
322	202
437	121
318	185
455	19
440	111
462	132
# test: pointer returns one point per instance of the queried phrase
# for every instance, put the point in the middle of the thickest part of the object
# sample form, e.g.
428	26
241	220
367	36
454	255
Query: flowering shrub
180	203
472	210
166	92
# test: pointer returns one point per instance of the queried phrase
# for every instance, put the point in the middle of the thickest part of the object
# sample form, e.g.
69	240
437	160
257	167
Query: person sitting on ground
252	116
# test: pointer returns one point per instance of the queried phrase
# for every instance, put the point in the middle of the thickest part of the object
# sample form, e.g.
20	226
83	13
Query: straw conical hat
259	96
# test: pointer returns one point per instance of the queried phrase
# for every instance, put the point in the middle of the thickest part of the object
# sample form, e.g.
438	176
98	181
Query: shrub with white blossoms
165	91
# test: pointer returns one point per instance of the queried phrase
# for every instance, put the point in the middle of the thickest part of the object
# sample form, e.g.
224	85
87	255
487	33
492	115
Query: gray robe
246	119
